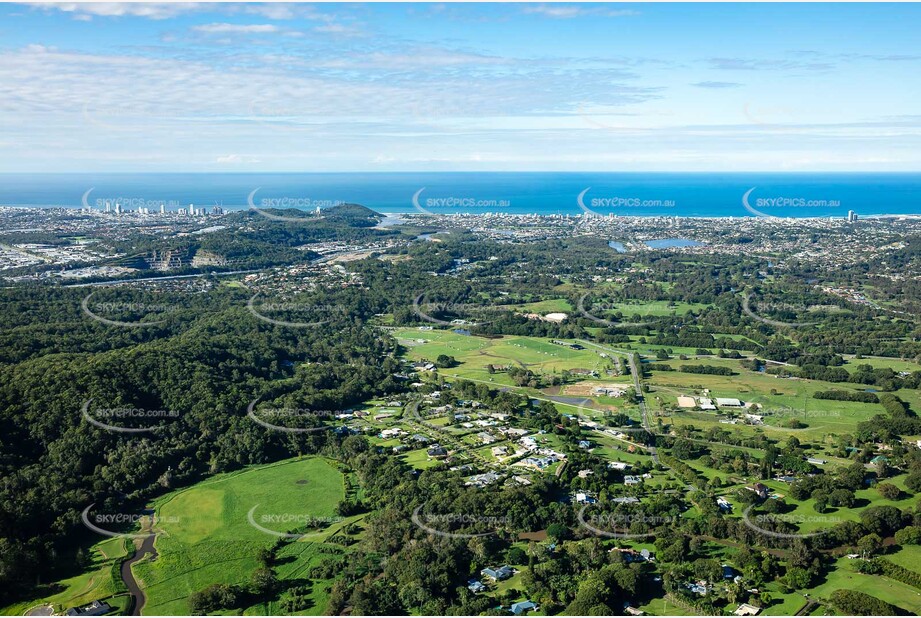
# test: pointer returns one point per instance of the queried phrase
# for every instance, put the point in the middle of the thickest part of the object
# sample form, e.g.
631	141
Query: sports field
208	537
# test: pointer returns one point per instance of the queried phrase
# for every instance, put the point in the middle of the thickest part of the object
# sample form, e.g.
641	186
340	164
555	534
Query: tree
798	578
841	497
557	531
263	582
869	545
913	481
445	362
888	491
909	535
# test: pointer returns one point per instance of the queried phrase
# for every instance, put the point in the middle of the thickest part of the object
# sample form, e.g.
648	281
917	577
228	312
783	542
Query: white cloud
225	28
235	159
567	11
150	10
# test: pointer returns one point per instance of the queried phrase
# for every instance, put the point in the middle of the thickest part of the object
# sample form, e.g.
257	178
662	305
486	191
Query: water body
672	243
545	193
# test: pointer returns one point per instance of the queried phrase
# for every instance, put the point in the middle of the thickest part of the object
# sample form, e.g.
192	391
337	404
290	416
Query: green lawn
844	577
207	536
793	398
94	583
909	557
476	353
654	308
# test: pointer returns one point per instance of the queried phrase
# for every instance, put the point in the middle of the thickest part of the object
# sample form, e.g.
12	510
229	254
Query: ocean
545	193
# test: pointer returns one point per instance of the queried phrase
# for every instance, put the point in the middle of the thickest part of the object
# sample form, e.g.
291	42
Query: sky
189	87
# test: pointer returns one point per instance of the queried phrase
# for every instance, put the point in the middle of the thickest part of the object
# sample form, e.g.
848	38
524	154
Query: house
523	606
747	610
724	504
482	480
437	451
631	555
699	587
584	497
706	404
585	473
760	490
618	465
632	480
626	500
499	451
786	478
632	611
476	586
585	444
499	574
486	438
816	461
728	402
96	608
610	391
386	434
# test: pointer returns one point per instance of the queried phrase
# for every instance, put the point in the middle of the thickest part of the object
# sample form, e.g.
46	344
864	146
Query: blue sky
472	87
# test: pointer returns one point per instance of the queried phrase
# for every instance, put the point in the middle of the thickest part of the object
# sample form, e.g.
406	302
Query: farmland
209	539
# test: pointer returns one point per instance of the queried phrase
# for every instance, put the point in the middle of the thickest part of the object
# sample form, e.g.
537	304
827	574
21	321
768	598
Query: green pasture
208	537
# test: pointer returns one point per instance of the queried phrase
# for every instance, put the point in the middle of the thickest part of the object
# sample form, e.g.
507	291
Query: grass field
543	306
208	538
781	399
95	582
656	308
476	353
909	556
844	577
